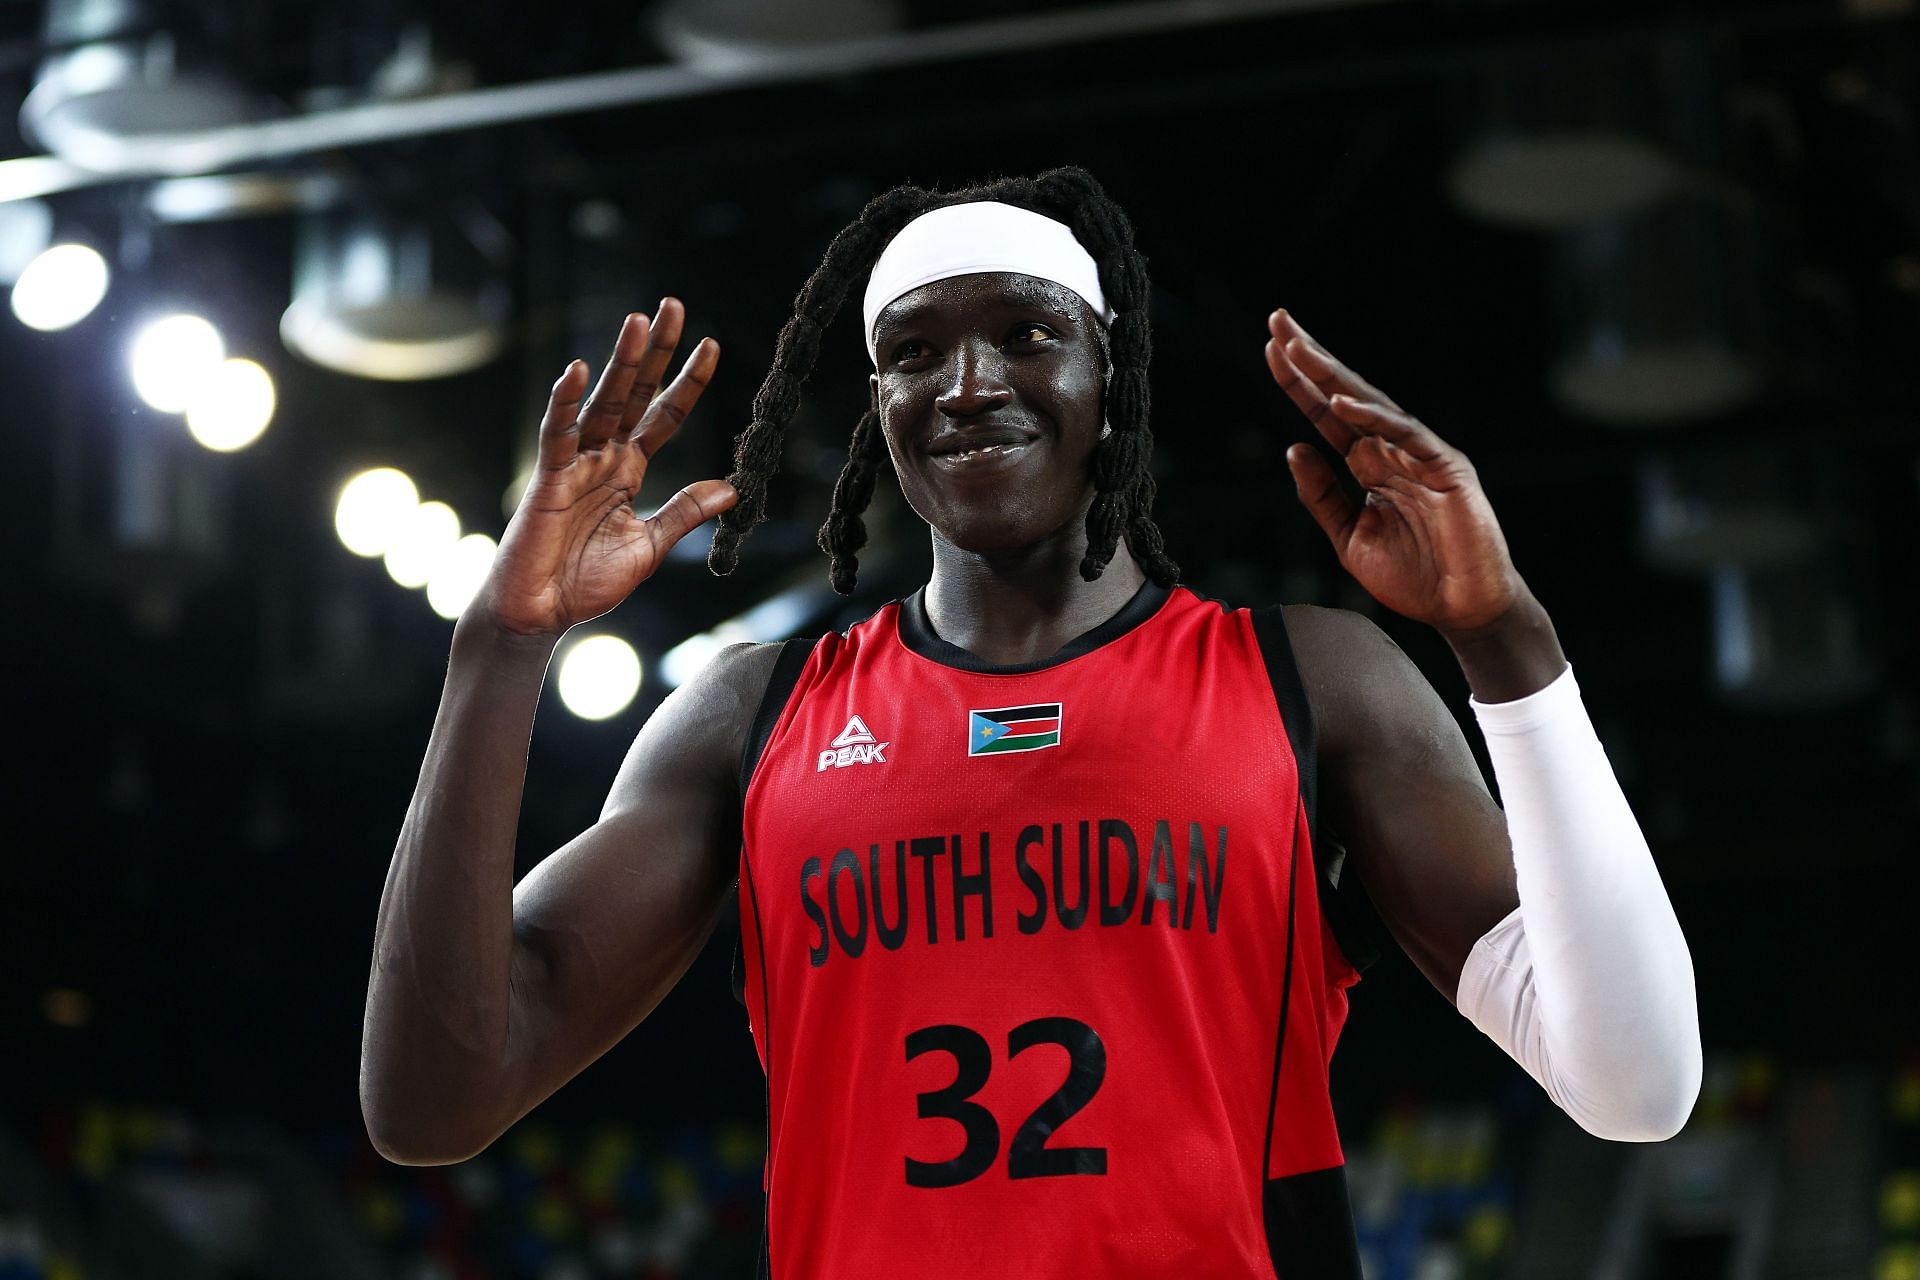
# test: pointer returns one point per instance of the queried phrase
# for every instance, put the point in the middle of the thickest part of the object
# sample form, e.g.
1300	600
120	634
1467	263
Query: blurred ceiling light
599	676
1789	638
685	660
1742	508
216	197
114	81
232	407
60	288
1549	181
172	358
371	508
392	298
722	35
1554	134
775	618
421	542
1653	309
460	575
26	229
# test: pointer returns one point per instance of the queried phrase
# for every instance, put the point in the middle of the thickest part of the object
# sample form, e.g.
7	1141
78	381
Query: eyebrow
1011	296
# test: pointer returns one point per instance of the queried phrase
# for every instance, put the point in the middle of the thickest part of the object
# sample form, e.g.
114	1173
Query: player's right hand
575	547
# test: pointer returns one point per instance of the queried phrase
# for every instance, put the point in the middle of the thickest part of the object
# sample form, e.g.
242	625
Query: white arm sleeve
1588	984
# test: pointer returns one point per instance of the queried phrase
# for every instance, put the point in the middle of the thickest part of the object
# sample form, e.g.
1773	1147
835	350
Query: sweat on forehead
974	238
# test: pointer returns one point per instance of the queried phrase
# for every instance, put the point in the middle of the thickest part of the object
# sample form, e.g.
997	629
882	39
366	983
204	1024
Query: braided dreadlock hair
1123	486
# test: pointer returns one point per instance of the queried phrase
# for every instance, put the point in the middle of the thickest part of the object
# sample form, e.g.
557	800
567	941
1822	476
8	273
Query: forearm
434	1052
1591	986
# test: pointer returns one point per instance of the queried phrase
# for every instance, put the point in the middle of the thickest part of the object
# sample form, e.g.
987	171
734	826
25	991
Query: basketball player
1038	882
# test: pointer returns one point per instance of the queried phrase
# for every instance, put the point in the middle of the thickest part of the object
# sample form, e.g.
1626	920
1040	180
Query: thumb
687	510
1319	491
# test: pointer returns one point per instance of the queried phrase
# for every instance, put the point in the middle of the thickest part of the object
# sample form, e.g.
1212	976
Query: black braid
845	532
756	454
1123	483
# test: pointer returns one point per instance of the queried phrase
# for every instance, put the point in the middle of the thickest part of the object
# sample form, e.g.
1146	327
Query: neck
1024	605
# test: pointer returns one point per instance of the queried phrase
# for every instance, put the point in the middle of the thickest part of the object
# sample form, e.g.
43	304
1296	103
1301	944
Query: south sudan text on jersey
1040	876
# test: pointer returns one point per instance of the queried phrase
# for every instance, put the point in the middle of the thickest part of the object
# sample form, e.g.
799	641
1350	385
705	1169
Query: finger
667	322
1392	425
1307	398
670	409
1328	373
1321	494
560	429
600	416
687	510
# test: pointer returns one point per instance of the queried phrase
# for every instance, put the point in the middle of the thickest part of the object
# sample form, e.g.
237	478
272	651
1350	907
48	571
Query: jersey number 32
1028	1155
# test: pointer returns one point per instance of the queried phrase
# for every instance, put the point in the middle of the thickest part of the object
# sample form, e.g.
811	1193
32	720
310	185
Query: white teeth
963	454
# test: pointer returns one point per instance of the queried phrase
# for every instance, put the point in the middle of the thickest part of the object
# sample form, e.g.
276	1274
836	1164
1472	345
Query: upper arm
605	926
1401	790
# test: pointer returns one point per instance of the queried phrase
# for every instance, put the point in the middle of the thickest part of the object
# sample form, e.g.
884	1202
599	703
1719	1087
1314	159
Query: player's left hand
1424	542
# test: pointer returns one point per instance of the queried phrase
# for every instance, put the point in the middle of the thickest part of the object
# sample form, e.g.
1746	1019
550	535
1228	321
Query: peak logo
855	744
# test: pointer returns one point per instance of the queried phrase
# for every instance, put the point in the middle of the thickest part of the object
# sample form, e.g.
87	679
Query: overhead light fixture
172	357
724	35
60	288
1789	638
599	676
26	230
394	297
1654	312
421	542
460	574
1701	512
775	618
1545	182
232	408
114	80
371	509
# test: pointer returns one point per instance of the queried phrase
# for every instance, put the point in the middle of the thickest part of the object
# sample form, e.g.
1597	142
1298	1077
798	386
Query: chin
1003	530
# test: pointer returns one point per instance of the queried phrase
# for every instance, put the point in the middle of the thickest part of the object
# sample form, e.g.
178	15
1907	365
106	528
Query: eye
1029	331
906	350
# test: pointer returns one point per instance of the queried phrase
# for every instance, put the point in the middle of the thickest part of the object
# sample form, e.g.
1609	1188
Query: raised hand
1424	542
575	548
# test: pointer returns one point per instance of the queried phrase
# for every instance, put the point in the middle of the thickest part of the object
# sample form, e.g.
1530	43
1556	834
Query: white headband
966	239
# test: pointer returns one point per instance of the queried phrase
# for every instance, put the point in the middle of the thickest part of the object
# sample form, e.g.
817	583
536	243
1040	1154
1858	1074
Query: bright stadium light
421	542
460	574
599	676
232	407
172	359
60	288
371	507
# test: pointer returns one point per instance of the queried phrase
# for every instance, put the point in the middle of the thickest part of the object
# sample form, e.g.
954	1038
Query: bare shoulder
701	728
1367	696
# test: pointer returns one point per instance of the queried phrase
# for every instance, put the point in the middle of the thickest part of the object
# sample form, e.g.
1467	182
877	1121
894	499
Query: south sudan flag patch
1005	730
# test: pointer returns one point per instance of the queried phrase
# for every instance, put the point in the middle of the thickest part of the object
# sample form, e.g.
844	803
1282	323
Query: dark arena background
1655	268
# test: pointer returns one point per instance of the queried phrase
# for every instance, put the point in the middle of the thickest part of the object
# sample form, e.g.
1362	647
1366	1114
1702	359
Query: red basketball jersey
1035	959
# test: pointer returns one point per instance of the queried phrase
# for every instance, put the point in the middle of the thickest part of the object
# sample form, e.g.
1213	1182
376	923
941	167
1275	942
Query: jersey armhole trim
1342	898
786	674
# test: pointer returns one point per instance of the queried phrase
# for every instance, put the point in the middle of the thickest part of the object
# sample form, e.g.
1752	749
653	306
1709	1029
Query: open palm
575	547
1424	541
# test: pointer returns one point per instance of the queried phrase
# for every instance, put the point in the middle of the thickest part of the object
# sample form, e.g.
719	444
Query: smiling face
989	389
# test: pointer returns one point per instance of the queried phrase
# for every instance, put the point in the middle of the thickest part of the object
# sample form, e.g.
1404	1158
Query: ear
873	391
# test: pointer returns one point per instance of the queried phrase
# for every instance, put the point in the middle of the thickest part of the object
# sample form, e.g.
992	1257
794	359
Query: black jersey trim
916	632
786	673
780	684
1343	900
1309	1221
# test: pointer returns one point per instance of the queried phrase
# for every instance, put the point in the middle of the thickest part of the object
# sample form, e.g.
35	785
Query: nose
976	381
